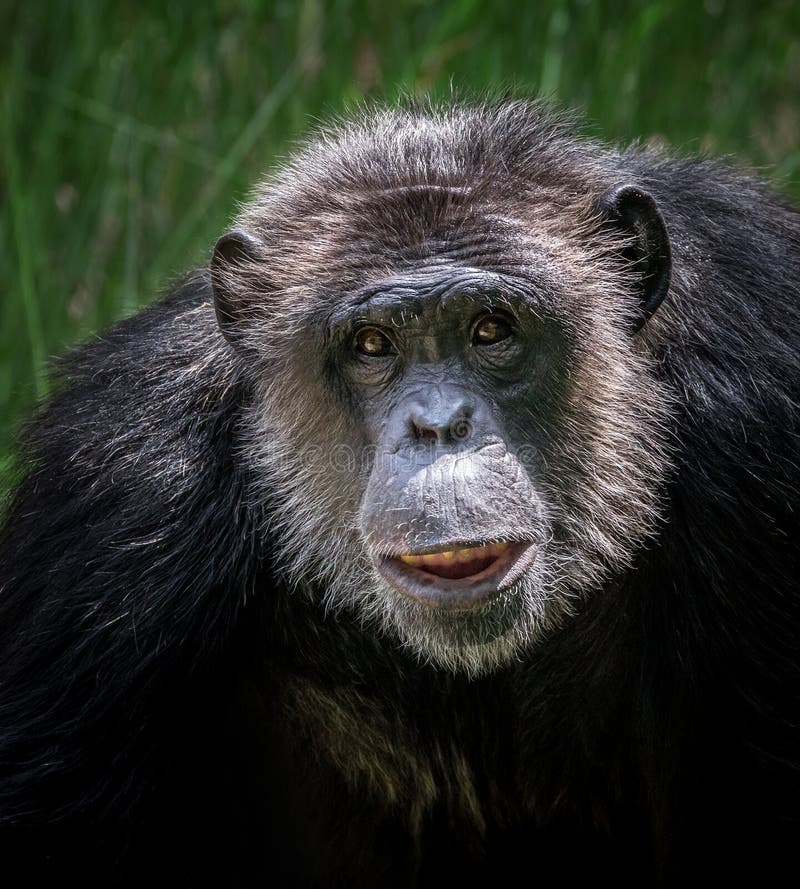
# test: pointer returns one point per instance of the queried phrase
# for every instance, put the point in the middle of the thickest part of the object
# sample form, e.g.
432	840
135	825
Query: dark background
131	130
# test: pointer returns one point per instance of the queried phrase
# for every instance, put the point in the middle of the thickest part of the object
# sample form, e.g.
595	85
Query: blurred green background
131	129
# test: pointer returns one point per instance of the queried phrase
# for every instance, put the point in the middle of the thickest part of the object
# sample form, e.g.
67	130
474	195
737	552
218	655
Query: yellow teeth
465	554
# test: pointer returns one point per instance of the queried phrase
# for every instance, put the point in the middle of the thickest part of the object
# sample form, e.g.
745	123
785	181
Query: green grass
130	130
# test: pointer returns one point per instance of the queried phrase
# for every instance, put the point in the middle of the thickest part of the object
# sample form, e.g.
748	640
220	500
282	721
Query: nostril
425	433
460	430
443	423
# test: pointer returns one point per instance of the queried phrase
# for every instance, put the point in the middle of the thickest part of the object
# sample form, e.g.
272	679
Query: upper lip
396	552
481	555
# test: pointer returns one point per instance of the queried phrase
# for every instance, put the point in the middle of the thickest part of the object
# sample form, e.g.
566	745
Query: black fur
178	705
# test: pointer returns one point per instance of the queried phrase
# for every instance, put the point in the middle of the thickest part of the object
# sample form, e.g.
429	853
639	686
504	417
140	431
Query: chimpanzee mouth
458	576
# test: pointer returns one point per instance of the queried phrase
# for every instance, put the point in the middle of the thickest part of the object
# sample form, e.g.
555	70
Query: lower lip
464	593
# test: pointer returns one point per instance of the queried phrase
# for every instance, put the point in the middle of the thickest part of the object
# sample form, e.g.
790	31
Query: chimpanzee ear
633	211
233	250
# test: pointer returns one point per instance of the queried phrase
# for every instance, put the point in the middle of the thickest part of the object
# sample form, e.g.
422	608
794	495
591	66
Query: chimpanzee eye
373	342
490	329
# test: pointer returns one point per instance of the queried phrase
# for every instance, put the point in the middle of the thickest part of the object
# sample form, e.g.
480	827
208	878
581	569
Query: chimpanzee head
454	420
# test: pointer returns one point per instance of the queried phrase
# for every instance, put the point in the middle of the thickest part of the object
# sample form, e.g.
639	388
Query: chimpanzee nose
445	419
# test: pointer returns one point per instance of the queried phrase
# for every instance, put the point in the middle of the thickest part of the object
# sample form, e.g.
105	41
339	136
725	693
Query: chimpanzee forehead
434	289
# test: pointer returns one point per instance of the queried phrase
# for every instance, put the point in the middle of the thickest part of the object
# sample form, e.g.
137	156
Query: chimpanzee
444	529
